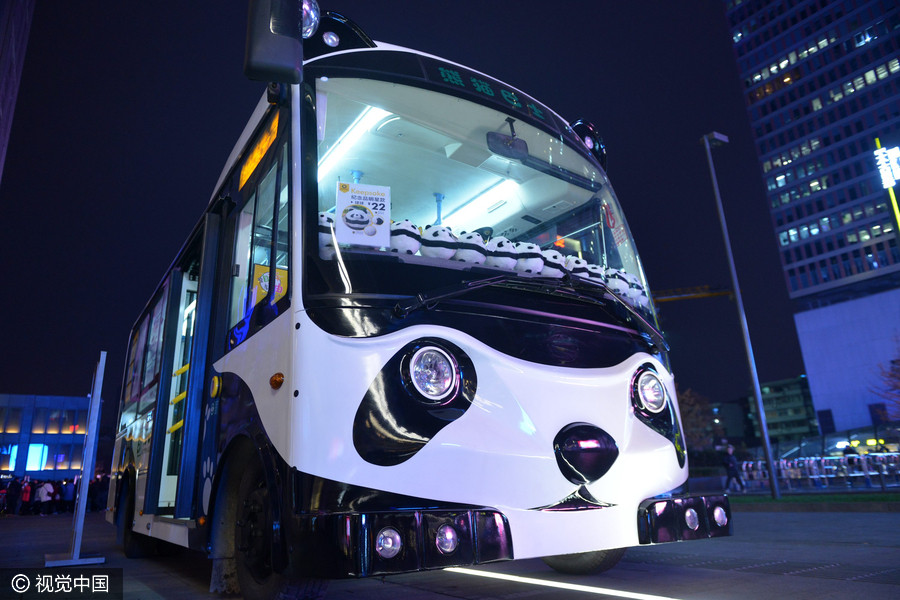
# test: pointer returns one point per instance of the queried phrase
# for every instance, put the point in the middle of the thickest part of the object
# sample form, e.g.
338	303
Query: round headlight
388	542
446	539
692	519
651	392
310	19
720	516
433	373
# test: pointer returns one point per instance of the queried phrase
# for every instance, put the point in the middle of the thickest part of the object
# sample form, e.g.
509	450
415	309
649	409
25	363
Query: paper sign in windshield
363	215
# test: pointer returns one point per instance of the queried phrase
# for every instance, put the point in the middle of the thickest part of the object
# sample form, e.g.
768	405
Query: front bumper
347	545
682	518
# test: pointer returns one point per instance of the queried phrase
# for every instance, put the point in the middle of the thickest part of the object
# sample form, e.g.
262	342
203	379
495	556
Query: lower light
720	516
446	539
388	542
691	519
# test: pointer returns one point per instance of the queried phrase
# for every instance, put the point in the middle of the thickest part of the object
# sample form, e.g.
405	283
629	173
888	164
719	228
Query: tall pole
717	139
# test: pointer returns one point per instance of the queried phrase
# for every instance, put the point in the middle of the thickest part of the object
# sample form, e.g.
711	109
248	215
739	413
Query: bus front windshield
424	180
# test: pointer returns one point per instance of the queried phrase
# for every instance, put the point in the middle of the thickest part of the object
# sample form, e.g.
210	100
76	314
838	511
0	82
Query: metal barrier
822	472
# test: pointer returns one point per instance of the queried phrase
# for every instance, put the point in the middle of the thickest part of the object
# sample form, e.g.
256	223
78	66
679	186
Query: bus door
191	299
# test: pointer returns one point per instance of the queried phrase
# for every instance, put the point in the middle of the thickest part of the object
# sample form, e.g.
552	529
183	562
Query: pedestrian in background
14	496
45	497
732	468
26	498
68	496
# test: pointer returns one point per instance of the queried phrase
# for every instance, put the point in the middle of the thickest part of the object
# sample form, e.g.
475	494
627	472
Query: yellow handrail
175	427
182	370
179	397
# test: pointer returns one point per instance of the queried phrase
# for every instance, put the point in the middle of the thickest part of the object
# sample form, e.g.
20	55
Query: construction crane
689	293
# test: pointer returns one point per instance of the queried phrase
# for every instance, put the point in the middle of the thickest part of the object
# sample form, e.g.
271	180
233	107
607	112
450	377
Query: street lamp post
711	140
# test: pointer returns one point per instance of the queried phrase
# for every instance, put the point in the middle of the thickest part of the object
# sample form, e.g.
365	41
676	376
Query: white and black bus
410	331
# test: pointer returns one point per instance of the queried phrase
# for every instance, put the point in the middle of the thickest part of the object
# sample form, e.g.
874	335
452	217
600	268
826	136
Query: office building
822	84
15	23
42	437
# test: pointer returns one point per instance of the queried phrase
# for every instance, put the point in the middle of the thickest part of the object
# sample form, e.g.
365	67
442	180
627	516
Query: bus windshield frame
399	146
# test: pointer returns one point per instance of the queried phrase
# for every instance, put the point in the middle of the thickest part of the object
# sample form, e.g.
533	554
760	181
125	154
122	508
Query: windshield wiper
424	299
569	286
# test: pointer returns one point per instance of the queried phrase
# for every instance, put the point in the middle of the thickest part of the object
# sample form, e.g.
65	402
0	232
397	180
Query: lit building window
37	457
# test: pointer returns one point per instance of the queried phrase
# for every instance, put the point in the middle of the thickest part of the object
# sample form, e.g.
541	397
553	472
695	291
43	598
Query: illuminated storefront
42	436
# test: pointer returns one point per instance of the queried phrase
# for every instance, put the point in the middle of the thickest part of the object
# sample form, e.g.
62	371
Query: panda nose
584	452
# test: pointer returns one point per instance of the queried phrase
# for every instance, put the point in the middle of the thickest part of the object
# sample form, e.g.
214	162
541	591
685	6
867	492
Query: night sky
128	111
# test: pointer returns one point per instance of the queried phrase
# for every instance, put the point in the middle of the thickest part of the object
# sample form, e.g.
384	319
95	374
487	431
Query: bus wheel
134	545
585	563
253	545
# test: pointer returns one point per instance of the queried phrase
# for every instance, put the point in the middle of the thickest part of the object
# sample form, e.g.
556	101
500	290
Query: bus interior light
367	119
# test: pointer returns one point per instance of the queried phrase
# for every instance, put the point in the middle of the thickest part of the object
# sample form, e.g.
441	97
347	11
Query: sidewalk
26	539
820	552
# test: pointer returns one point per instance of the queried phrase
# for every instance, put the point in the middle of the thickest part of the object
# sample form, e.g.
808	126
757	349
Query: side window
132	374
150	377
260	271
142	371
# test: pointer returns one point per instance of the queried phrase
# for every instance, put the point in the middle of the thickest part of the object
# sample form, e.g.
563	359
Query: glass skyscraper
822	85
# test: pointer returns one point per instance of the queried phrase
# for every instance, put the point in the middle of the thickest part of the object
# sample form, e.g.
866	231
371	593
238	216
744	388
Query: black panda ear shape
427	227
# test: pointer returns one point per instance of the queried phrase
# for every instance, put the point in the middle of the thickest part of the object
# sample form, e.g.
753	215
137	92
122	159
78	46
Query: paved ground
774	554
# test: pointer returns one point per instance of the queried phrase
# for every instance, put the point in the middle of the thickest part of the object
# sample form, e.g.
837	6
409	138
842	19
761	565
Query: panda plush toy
554	263
617	282
356	218
529	258
470	248
636	295
501	253
577	266
326	239
438	242
405	237
596	273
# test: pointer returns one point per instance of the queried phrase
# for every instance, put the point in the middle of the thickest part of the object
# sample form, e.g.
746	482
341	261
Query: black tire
585	563
253	545
134	545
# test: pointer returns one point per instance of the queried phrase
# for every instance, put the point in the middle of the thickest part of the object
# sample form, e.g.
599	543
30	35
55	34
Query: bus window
132	382
142	371
261	250
152	353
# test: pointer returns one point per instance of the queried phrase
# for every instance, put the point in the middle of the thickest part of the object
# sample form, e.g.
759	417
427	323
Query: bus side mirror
274	50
